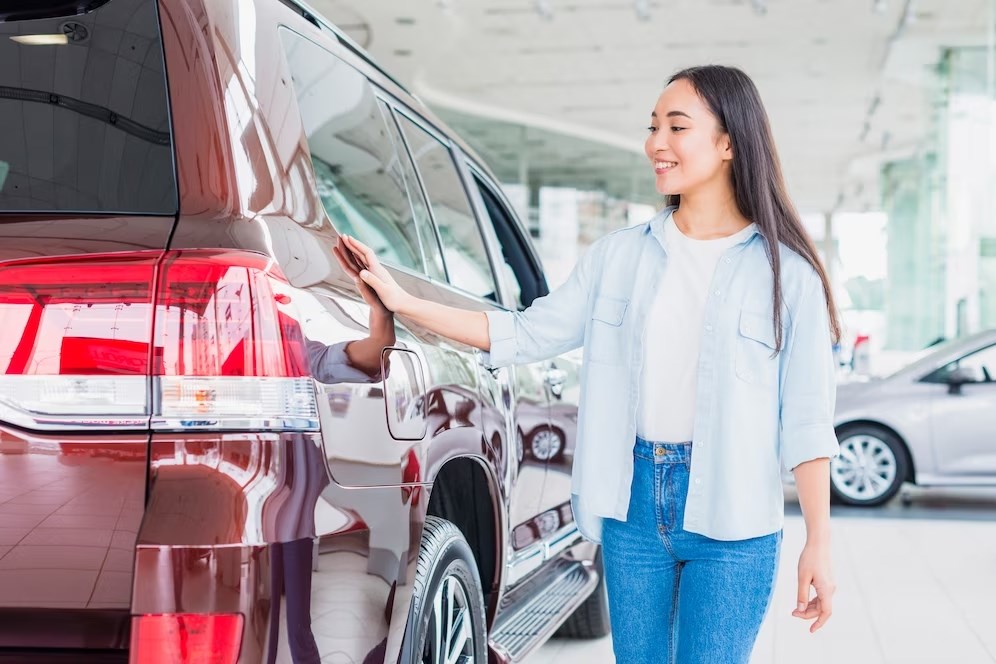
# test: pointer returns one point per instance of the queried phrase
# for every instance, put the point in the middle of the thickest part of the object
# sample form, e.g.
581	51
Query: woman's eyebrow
672	114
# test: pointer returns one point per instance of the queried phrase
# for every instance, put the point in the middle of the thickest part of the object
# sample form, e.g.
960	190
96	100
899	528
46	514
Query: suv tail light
218	336
186	638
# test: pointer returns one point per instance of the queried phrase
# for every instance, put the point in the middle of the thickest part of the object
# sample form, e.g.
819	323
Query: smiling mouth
662	166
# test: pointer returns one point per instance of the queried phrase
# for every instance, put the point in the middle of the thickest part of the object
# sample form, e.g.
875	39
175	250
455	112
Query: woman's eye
651	129
677	129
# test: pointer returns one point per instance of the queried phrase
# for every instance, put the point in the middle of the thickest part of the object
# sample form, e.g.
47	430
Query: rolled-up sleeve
330	364
552	325
809	385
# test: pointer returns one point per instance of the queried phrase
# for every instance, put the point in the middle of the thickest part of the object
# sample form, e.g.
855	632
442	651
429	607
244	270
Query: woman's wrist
407	306
818	535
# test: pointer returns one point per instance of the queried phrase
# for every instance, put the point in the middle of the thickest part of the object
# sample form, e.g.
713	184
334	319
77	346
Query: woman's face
686	146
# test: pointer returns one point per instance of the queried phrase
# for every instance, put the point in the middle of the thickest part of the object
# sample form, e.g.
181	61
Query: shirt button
698	481
708	328
726	260
716	293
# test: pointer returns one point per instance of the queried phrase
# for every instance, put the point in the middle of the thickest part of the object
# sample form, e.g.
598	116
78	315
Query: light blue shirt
755	412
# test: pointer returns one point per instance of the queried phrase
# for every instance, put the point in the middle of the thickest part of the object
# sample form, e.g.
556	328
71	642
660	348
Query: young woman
708	336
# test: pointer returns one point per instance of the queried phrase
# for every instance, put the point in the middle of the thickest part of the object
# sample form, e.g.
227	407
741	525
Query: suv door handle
555	379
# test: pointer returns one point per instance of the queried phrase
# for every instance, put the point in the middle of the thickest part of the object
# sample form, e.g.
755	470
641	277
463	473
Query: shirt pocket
755	359
606	339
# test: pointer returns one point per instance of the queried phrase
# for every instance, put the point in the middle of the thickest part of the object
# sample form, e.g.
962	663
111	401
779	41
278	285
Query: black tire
444	554
591	619
840	494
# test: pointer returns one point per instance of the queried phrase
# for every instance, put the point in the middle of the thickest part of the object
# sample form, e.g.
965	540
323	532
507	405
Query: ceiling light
760	7
40	40
544	9
879	6
642	8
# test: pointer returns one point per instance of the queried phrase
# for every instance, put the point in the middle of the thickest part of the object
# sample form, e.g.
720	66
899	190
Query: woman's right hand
361	263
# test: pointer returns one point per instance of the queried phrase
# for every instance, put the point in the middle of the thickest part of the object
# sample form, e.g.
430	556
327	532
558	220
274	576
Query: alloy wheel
450	638
865	469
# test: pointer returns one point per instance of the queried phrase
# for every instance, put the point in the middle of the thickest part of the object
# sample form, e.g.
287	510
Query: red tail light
220	337
186	638
82	355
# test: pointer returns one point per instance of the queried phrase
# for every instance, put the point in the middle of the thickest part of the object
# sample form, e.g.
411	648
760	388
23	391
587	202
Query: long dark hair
758	185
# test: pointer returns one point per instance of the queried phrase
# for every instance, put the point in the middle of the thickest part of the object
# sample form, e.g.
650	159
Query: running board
537	610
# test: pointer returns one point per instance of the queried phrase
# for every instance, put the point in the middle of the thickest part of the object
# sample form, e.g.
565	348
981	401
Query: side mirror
958	377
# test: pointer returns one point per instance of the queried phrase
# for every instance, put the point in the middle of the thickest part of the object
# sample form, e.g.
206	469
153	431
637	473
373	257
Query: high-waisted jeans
677	597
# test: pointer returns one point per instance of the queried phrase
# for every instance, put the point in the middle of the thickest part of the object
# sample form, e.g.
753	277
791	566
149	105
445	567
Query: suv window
357	164
84	116
463	246
520	272
430	244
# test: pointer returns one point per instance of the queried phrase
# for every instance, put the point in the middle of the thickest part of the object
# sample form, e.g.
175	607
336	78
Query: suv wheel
591	619
871	467
447	602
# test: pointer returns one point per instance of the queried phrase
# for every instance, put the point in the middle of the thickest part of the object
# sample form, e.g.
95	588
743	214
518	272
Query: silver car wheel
865	469
451	636
546	444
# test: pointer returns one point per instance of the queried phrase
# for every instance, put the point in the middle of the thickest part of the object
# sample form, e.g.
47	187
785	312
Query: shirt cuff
805	443
501	332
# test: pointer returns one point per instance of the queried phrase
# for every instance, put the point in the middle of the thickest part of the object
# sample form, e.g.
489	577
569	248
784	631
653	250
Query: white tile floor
916	585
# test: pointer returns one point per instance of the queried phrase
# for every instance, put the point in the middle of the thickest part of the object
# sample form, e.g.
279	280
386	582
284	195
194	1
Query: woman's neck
707	216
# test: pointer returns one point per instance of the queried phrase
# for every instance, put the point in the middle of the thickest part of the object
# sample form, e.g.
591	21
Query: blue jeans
677	597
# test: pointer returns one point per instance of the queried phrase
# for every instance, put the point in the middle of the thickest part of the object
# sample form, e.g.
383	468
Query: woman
708	368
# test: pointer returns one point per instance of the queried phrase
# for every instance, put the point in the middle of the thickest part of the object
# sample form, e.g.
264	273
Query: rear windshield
84	116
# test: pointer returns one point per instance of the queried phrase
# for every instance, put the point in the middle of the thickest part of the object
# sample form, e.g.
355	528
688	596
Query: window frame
457	158
477	175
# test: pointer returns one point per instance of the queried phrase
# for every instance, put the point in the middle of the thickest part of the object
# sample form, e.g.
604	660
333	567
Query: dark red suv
194	466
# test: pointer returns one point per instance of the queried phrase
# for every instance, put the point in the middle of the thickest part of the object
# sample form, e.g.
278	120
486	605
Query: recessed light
405	20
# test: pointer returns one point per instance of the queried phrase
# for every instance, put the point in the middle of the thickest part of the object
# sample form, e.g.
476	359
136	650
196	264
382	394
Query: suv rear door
88	198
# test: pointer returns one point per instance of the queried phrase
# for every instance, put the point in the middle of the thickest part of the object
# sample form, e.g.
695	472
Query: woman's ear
726	146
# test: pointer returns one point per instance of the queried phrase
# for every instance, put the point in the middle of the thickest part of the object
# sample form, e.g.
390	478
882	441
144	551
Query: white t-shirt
673	334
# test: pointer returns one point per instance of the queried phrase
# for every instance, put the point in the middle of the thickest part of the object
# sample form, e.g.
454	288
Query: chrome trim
523	563
562	540
267	424
35	422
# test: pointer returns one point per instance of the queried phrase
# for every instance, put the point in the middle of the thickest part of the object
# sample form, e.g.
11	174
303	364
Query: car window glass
357	166
84	122
980	365
463	246
519	272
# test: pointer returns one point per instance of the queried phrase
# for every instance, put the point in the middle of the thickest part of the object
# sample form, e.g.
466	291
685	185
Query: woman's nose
658	142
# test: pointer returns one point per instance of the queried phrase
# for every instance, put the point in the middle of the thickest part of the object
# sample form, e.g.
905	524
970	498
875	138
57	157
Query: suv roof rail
313	16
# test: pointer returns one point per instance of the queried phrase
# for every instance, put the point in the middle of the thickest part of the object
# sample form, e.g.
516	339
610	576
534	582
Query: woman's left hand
814	570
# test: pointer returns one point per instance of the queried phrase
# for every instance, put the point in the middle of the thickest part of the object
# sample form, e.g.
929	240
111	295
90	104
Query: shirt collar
655	227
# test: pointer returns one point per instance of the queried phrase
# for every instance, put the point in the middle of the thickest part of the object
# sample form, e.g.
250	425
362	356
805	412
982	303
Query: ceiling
570	83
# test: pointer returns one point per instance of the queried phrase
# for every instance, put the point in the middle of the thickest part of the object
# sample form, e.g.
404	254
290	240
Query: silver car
932	423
